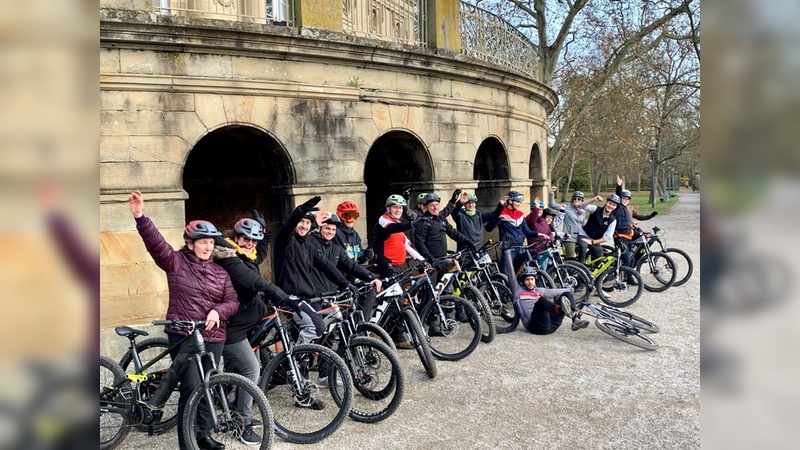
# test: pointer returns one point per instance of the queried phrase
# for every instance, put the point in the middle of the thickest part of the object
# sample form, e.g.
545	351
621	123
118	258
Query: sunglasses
577	198
248	239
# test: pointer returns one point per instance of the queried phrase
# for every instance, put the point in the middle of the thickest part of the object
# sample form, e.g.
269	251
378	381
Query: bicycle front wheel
420	342
236	427
113	405
501	304
683	265
374	330
472	294
568	276
657	271
310	392
626	333
450	339
614	289
636	321
377	378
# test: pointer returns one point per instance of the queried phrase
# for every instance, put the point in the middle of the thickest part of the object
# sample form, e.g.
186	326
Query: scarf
251	256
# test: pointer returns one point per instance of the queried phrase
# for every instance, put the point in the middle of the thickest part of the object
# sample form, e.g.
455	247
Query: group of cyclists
216	275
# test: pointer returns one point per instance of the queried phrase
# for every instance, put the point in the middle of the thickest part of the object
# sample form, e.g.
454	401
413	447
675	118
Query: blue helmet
199	229
626	193
613	198
515	196
249	228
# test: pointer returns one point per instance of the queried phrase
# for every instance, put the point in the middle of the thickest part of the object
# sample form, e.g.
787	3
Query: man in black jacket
431	240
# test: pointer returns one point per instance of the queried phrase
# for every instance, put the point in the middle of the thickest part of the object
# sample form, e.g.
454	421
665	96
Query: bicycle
661	274
462	286
308	386
493	285
565	274
121	401
147	350
611	278
622	325
684	267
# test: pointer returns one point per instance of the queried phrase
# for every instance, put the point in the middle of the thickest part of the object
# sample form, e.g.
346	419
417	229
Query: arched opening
233	170
397	163
535	171
492	173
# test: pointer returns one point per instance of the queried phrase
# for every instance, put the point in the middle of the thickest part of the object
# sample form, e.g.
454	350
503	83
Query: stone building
224	106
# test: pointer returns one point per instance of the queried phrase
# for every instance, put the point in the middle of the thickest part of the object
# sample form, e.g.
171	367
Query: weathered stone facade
210	119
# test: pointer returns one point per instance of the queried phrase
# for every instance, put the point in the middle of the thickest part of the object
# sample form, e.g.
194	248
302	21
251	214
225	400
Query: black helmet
249	228
550	212
514	196
332	219
431	198
310	216
199	229
613	198
526	272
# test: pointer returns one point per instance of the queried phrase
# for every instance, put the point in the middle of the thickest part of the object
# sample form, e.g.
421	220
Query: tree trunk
569	176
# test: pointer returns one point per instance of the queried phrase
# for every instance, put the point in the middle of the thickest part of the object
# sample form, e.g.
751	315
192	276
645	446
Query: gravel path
581	390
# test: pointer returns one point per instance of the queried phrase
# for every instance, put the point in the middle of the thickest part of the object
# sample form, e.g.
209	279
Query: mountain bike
308	386
462	286
683	263
565	274
121	401
621	324
493	285
657	269
147	350
611	278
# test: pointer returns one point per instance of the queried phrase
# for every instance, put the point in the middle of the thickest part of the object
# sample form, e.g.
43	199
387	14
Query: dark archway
535	171
491	171
397	163
233	170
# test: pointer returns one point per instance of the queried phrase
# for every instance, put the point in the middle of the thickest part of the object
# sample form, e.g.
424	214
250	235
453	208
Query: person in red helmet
346	235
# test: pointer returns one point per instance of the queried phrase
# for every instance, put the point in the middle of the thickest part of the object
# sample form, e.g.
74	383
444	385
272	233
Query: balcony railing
487	37
391	20
276	12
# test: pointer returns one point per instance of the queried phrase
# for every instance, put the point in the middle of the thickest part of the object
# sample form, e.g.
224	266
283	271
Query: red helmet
347	207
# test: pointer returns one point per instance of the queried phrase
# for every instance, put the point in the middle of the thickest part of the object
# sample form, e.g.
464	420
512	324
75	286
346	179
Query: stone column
444	25
324	14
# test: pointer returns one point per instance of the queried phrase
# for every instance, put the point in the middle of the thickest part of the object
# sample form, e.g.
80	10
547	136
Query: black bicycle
121	400
622	325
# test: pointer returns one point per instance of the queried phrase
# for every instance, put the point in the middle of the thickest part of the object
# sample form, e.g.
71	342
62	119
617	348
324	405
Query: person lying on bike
574	218
346	235
469	220
599	228
510	222
540	220
323	240
541	310
295	257
391	248
240	254
198	289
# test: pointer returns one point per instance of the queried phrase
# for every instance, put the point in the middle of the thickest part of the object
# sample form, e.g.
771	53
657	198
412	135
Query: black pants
544	318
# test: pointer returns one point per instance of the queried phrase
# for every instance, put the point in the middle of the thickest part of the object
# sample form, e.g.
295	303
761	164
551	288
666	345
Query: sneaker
566	307
577	324
461	316
255	423
403	345
249	437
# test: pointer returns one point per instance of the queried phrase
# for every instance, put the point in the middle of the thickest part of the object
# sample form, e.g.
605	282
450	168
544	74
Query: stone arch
536	172
491	171
398	162
234	169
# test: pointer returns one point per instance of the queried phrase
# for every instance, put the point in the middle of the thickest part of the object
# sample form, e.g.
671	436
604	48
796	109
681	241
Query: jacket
598	226
350	241
337	256
431	240
195	286
390	241
541	227
470	226
514	231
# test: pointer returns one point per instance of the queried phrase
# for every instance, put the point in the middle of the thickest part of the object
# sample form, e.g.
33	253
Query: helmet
539	205
526	272
472	198
310	216
431	198
626	193
578	194
613	198
550	212
514	196
198	229
332	219
396	200
249	228
347	207
421	196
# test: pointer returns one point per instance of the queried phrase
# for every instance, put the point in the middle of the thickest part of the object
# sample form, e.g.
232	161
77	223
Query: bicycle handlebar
179	324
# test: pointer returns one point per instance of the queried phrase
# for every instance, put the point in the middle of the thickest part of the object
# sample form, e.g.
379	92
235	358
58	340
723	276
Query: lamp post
653	151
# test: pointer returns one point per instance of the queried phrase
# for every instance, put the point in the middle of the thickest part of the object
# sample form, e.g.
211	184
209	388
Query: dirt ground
579	390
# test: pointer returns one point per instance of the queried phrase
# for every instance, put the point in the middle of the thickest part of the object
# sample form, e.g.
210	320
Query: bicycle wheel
568	276
310	393
580	266
616	291
450	339
658	272
148	350
683	265
472	294
544	280
233	425
365	328
114	407
377	378
501	304
639	322
420	342
626	333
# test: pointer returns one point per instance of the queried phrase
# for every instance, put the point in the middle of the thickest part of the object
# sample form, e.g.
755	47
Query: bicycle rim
657	272
639	322
683	265
626	333
618	292
472	294
113	425
454	340
377	378
420	342
568	276
370	329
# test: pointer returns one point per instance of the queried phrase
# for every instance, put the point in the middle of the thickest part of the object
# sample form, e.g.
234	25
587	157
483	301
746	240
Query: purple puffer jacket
195	286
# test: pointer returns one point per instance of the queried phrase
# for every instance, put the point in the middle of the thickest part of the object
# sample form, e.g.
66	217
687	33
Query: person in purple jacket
198	289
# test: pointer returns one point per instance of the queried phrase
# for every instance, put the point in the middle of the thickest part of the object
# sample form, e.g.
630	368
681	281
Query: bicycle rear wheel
616	291
233	425
365	328
310	393
148	350
625	316
472	294
683	265
568	276
626	333
658	271
113	422
377	378
501	304
450	339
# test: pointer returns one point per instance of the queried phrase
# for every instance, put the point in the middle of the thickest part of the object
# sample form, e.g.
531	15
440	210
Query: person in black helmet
626	225
431	240
600	226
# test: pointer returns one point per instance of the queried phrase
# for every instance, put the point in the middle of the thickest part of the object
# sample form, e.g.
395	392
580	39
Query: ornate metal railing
488	37
391	20
276	12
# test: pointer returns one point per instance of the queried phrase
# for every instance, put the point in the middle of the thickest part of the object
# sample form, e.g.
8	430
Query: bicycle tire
501	304
474	295
684	265
380	385
639	322
661	275
303	424
149	349
613	293
543	279
627	333
113	426
457	340
222	388
420	342
364	328
569	276
580	266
